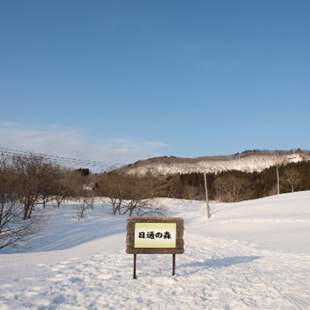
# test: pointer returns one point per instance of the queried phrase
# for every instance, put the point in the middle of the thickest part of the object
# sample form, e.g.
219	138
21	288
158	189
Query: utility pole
207	198
278	182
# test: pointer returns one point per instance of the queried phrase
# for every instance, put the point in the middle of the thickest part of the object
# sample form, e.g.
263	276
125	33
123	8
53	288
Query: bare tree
230	188
290	178
84	203
61	186
14	229
34	175
50	181
112	186
129	194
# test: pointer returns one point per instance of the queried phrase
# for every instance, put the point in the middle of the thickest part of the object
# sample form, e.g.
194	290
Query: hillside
248	161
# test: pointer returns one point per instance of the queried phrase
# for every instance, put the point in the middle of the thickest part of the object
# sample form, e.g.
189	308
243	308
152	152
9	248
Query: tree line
27	183
234	185
227	186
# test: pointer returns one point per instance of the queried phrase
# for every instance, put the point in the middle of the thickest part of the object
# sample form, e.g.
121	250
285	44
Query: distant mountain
247	161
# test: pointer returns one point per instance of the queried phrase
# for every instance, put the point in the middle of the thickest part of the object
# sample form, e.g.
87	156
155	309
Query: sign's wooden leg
173	264
134	266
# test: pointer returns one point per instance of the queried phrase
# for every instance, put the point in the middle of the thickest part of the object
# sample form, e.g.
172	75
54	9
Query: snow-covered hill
246	164
248	255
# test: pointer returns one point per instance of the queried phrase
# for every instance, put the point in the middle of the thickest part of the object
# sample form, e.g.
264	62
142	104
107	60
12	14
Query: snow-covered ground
249	255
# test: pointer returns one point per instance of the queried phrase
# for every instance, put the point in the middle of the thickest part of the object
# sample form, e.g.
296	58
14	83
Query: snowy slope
246	164
249	255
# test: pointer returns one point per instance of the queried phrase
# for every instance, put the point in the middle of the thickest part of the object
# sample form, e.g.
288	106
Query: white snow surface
248	255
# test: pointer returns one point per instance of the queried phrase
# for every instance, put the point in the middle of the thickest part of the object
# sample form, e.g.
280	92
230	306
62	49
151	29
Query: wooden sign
153	235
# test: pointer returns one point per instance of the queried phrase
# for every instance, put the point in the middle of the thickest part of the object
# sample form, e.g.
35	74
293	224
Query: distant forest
228	186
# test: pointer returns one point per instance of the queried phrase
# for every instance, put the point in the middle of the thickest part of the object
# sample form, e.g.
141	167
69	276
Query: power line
64	160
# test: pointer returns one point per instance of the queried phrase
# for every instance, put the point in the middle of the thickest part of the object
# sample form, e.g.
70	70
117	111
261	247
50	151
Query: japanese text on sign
155	235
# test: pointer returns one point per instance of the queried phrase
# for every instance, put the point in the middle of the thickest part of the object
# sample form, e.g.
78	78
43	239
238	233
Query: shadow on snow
220	262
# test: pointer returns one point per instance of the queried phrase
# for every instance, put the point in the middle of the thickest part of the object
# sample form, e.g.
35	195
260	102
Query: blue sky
120	81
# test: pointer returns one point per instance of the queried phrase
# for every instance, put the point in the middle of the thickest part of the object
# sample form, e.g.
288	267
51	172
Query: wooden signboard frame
153	235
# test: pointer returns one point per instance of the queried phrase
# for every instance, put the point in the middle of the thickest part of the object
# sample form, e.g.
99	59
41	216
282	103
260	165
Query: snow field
233	270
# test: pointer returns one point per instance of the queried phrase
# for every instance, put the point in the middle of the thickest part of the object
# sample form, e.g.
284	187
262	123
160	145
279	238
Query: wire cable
66	161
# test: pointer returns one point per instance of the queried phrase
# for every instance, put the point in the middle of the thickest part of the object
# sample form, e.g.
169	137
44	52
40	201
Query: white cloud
73	143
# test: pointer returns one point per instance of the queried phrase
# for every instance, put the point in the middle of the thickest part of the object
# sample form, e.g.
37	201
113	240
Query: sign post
173	264
153	235
135	266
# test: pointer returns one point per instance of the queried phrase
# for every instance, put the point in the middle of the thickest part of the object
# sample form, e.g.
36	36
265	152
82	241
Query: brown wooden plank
179	249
